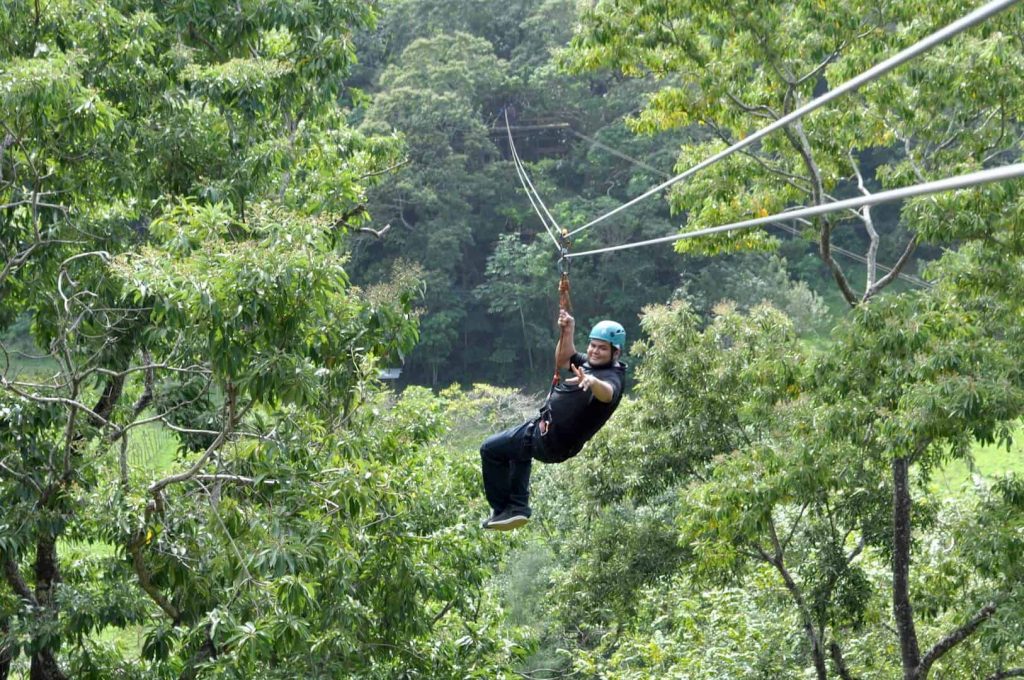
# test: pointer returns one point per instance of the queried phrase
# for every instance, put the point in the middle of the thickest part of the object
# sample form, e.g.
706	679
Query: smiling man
575	410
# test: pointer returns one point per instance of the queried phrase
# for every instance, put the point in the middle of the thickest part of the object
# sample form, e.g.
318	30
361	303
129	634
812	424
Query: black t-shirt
576	415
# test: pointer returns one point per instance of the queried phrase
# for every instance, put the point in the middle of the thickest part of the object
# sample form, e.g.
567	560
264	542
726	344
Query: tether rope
531	192
936	38
949	184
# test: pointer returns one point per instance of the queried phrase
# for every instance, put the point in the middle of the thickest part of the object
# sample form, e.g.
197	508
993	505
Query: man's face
599	352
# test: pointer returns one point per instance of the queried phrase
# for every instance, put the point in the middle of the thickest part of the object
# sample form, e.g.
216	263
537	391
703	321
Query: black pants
506	459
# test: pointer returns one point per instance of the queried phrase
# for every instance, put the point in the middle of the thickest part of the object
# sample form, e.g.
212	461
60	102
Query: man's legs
505	461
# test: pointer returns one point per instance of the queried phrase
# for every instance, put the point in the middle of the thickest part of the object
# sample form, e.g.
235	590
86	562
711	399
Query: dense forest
221	222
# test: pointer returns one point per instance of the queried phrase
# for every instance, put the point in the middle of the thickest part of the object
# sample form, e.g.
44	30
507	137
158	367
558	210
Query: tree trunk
206	652
44	665
910	652
817	653
6	655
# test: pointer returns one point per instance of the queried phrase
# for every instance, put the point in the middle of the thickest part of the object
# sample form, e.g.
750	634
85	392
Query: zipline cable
910	278
940	36
949	184
531	192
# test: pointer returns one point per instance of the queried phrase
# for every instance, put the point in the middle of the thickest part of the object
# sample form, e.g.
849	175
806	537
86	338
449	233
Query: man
573	413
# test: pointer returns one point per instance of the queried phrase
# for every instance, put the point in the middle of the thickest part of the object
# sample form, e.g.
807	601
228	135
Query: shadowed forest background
219	222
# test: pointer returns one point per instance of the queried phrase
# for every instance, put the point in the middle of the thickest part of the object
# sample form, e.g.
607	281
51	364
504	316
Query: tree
178	188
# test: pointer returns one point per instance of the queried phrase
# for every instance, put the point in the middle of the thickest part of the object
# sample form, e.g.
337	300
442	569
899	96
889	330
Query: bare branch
210	433
71	403
896	268
17	261
102	254
197	369
1009	673
385	171
869	225
953	639
379	233
238	479
35	203
230	420
759	111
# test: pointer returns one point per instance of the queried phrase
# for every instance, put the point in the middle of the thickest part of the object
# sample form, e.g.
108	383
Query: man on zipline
575	410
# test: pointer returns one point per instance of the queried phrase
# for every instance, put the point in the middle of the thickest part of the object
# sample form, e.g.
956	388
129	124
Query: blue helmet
611	332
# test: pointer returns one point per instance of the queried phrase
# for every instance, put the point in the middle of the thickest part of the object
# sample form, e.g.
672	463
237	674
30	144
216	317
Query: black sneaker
506	520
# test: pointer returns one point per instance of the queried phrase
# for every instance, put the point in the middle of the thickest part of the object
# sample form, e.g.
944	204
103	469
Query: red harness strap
563	303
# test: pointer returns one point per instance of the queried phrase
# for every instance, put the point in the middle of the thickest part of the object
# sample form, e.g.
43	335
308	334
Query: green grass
151	452
152	449
989	462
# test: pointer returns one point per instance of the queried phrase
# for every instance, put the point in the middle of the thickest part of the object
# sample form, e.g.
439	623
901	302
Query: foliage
180	186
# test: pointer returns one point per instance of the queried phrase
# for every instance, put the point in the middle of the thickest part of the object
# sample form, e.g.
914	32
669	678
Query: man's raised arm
566	347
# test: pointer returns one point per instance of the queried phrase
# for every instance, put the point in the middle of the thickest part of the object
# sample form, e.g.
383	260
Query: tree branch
146	583
4	382
146	398
760	111
869	225
788	177
343	219
379	233
778	561
17	583
108	400
238	479
802	145
796	523
953	639
1009	673
837	658
896	268
229	423
386	171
